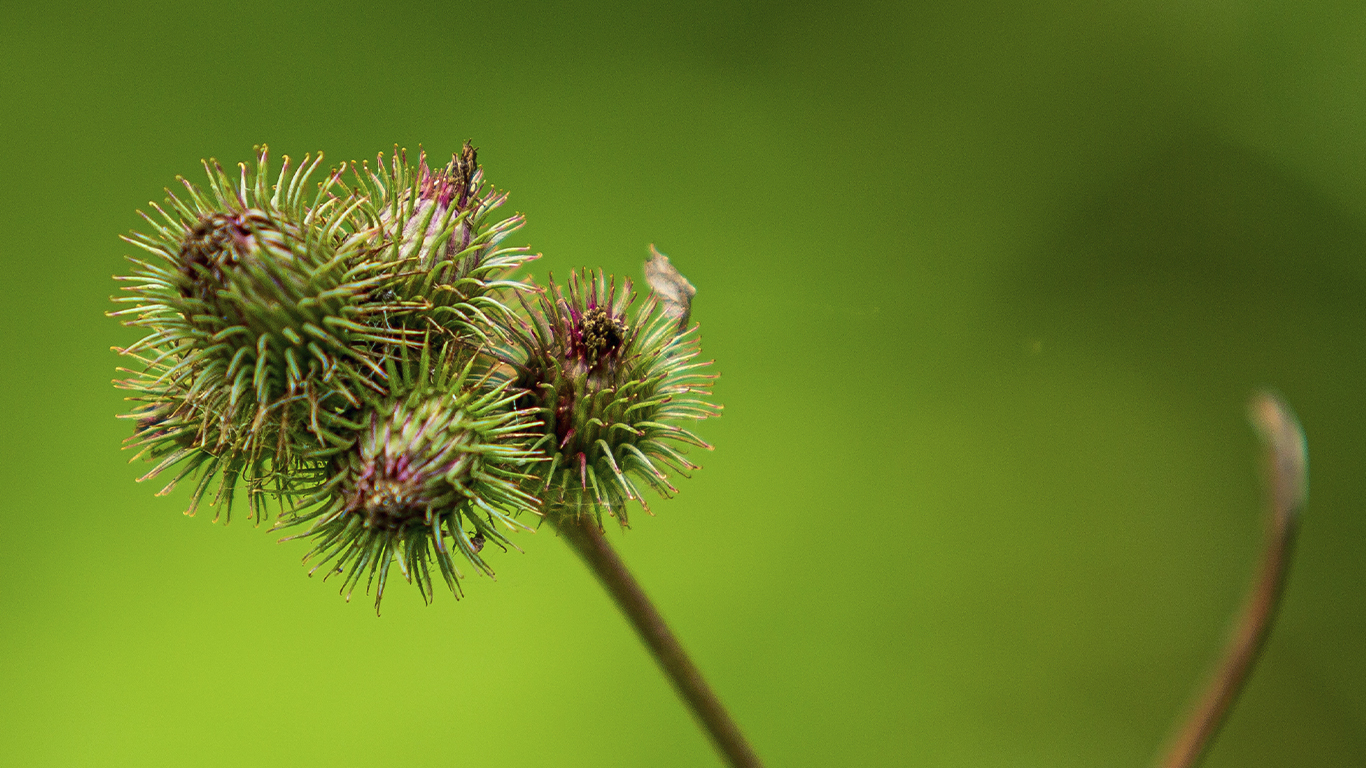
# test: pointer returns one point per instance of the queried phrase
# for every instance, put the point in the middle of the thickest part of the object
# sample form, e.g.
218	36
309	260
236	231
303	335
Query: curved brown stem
1286	477
584	535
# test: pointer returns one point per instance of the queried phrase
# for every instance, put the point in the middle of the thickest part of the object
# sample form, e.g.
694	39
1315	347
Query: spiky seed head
610	384
353	356
439	229
439	468
261	310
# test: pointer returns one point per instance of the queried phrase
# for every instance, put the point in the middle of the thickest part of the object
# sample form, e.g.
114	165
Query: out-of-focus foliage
989	285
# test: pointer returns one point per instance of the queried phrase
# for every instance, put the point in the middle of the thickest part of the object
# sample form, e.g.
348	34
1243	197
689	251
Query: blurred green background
988	284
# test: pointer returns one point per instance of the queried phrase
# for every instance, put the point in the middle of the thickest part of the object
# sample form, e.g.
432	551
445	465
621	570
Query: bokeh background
988	284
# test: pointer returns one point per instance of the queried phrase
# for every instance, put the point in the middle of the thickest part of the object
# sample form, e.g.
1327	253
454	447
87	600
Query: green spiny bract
261	308
435	228
608	384
446	451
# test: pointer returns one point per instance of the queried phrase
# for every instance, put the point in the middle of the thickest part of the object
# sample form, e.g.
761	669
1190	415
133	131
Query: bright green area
988	286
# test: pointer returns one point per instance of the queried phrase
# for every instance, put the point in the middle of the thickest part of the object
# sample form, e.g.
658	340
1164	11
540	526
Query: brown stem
584	535
1286	478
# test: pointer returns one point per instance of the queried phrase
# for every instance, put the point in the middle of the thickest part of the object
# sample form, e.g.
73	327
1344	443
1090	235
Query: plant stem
584	535
1286	478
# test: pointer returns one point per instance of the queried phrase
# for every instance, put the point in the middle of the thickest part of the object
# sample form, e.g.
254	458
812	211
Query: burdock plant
443	452
260	306
349	348
358	349
611	386
438	230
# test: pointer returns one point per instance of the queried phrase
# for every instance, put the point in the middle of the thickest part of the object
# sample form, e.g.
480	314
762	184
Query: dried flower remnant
673	289
446	451
609	384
